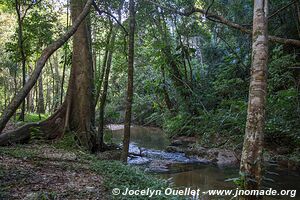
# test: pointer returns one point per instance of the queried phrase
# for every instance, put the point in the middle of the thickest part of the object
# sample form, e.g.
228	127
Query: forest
149	99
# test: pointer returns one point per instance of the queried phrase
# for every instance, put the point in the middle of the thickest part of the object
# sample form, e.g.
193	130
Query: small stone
176	143
90	189
31	196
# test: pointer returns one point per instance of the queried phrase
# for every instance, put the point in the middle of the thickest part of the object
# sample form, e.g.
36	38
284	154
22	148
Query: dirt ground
49	174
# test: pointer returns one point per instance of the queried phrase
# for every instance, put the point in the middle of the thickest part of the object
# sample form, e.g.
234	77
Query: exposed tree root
51	128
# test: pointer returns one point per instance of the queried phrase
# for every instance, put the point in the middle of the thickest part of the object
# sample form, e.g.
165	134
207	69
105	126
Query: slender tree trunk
30	104
167	99
36	90
253	143
22	52
41	104
105	85
56	81
189	61
5	93
33	92
63	79
48	96
129	97
104	64
53	102
65	61
28	98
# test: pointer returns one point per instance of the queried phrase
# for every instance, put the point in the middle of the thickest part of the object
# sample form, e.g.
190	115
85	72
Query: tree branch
111	15
28	8
223	20
281	9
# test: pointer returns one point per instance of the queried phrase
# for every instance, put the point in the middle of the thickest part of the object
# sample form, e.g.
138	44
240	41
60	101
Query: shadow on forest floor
44	172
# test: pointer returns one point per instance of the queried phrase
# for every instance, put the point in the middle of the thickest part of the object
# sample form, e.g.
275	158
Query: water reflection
146	137
201	176
208	177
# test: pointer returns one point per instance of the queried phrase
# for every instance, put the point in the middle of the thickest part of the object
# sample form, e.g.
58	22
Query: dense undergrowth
220	99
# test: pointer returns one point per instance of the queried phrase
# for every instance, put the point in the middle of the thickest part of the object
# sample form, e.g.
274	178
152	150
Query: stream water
184	171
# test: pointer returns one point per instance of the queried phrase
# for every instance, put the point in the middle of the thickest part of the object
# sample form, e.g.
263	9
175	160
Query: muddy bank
229	158
217	156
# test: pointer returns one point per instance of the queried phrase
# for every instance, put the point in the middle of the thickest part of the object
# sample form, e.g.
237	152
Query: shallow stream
147	147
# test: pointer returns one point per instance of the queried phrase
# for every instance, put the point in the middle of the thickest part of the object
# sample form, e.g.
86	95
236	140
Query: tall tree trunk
167	99
56	81
104	93
48	96
104	64
110	48
41	104
189	61
5	91
80	94
65	60
28	98
32	106
22	52
253	143
63	78
129	97
36	90
53	102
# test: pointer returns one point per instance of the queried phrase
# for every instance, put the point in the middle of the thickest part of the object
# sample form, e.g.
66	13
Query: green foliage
67	142
44	196
181	124
3	189
33	117
283	111
108	137
18	152
122	177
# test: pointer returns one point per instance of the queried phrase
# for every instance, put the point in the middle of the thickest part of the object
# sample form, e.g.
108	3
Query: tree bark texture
129	97
41	105
253	142
80	92
22	52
